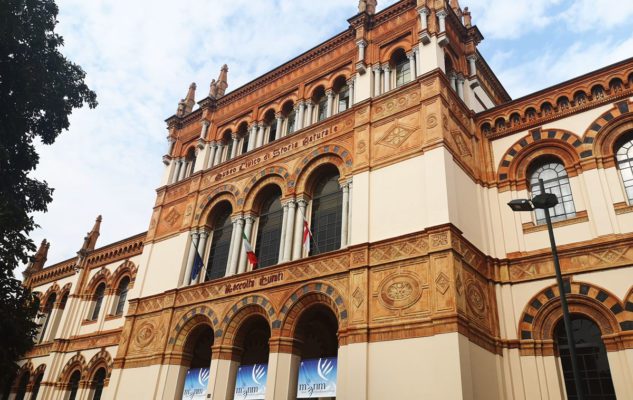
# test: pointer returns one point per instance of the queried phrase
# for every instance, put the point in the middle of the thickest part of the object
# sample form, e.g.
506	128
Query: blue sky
140	57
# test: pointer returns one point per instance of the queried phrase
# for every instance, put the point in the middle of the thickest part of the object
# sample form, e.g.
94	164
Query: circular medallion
476	299
145	334
399	291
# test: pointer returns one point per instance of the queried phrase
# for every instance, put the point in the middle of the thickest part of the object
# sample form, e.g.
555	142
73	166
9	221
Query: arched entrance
197	357
595	373
317	344
251	349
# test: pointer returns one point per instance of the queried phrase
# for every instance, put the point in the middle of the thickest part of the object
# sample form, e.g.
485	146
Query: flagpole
316	246
195	246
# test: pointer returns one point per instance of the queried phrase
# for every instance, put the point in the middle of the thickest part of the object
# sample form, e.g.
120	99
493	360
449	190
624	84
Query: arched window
227	140
290	116
400	61
556	181
190	160
36	386
242	133
595	374
271	126
98	382
73	385
320	100
24	381
624	159
121	295
222	230
341	101
48	311
98	299
327	203
269	228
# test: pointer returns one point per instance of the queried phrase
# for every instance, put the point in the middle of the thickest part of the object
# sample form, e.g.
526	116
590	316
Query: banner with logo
317	378
250	383
196	383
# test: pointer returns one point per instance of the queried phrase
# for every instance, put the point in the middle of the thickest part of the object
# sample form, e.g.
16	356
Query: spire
213	89
38	260
468	21
368	6
91	239
222	81
185	106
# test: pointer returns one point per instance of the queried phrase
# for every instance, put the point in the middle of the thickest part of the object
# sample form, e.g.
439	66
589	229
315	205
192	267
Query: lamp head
544	200
521	205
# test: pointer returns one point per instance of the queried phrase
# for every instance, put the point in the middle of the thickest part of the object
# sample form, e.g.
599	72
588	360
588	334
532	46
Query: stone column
300	115
361	49
170	145
387	81
234	147
344	217
310	105
330	98
297	251
231	247
376	80
472	65
251	137
203	130
218	154
350	85
280	133
424	14
202	246
213	146
237	245
460	87
290	220
282	242
418	62
441	15
222	373
453	79
182	170
283	371
192	248
260	136
248	230
349	213
411	57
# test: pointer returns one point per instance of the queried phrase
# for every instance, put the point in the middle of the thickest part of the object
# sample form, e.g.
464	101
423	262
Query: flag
250	254
307	235
197	266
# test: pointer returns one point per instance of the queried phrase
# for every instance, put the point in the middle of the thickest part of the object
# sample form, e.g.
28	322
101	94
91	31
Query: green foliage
39	88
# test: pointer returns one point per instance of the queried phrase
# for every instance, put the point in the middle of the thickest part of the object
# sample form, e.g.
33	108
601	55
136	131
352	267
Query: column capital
291	203
411	54
423	11
351	80
237	218
204	233
329	92
206	123
361	43
441	13
249	218
386	67
472	57
194	233
278	115
302	202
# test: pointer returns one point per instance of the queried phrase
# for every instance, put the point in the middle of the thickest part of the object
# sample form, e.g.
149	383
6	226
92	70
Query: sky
141	56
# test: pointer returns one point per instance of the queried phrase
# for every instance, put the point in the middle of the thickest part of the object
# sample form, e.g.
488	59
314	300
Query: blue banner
250	382
317	378
196	383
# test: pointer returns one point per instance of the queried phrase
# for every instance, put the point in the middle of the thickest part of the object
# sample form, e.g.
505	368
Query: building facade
370	176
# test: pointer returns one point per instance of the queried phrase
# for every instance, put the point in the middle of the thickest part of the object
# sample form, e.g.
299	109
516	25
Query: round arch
76	363
335	155
127	268
227	192
100	360
262	180
52	290
103	275
190	320
242	310
599	139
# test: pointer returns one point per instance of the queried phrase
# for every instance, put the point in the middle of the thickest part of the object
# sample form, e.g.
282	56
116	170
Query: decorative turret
91	239
38	260
367	6
185	106
222	81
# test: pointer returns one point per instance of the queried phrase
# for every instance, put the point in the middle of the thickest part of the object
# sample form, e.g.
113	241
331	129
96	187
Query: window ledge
622	208
581	216
88	322
110	317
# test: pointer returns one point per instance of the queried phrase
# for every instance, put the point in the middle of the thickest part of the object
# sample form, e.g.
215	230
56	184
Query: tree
39	88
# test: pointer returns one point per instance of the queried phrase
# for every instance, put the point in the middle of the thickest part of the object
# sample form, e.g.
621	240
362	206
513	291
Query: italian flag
307	235
252	258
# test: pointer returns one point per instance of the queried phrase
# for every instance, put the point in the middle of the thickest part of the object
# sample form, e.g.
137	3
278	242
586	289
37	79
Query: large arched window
288	111
190	161
48	311
595	374
327	202
341	100
121	293
221	232
98	299
36	386
400	62
556	181
269	228
271	126
24	381
242	133
73	385
98	381
197	359
227	141
624	159
252	352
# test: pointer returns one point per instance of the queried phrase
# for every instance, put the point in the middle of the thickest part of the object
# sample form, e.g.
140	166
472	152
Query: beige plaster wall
162	265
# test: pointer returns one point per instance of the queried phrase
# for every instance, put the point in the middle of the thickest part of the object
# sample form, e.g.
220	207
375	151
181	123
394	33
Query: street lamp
545	201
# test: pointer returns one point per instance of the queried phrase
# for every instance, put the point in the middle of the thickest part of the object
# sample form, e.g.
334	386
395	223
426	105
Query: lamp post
545	201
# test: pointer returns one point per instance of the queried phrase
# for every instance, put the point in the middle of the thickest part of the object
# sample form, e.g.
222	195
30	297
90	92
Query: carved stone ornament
476	299
362	147
399	291
145	334
396	136
358	297
442	283
431	121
